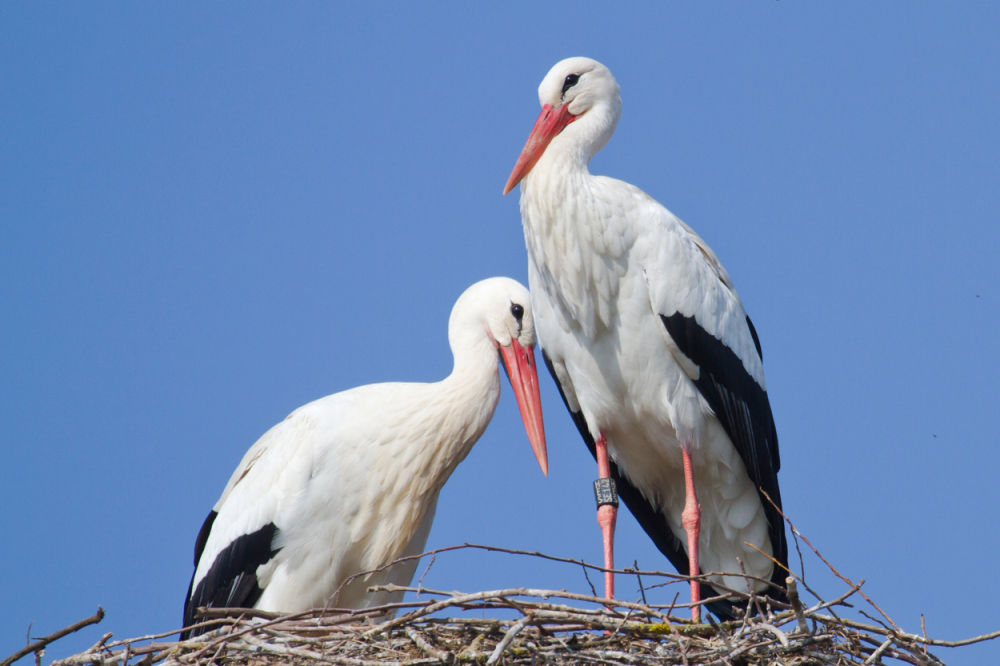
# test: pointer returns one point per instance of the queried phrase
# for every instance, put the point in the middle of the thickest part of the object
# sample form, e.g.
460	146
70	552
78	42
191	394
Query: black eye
517	311
571	81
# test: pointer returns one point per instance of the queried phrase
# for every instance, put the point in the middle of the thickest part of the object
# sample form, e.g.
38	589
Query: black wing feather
743	409
231	582
756	340
650	518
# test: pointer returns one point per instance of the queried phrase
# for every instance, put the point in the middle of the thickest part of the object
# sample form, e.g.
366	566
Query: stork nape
350	483
655	357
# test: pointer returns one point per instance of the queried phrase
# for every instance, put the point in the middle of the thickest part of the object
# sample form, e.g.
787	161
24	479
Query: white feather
351	481
605	260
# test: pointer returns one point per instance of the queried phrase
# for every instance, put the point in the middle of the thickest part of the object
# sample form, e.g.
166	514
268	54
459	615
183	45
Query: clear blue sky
211	214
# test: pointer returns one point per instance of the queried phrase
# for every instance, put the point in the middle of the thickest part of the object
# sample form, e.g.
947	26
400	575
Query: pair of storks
655	358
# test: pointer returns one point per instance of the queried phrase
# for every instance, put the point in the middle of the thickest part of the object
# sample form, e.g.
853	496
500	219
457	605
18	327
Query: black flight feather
743	409
231	582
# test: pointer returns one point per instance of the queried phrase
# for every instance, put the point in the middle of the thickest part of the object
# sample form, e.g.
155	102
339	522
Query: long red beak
519	362
550	122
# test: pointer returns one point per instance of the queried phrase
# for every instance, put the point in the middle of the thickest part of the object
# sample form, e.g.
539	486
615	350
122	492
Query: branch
42	642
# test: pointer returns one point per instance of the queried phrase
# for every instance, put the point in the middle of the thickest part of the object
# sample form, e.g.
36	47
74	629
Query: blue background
211	214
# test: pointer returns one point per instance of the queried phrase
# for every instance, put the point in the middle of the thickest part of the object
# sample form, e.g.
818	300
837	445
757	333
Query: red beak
550	122
519	362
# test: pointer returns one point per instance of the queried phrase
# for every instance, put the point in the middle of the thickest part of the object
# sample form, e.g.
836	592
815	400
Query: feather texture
349	483
649	342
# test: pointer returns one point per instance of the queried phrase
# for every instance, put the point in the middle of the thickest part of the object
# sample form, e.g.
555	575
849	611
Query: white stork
652	350
349	483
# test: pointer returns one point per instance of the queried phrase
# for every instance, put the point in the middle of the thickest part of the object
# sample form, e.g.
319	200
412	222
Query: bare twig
420	581
638	577
507	638
878	652
793	597
831	567
589	584
443	656
42	642
555	627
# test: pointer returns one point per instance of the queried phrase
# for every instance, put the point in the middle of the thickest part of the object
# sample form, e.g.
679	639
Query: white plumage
349	483
648	341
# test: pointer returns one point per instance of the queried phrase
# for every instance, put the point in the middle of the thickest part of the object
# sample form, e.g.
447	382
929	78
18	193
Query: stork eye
517	311
571	81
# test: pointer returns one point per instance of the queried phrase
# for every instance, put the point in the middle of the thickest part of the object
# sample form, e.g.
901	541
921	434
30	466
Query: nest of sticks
531	627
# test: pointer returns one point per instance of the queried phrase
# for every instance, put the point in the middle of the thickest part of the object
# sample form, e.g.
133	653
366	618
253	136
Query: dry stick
228	637
516	592
622	623
902	634
878	652
217	622
722	635
42	642
753	595
510	551
744	646
839	601
674	577
347	615
309	654
441	655
592	621
490	599
507	638
910	651
793	596
104	639
778	633
420	582
835	572
587	576
130	640
564	560
269	615
638	577
907	647
787	570
802	562
671	610
725	592
875	619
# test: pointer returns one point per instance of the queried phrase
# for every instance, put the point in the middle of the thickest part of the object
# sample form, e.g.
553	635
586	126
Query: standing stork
349	483
654	355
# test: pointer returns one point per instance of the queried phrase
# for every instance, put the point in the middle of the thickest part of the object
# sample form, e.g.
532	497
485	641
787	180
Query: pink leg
691	519
607	516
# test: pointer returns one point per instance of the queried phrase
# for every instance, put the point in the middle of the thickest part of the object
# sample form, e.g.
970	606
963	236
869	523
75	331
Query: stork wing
231	582
240	534
711	336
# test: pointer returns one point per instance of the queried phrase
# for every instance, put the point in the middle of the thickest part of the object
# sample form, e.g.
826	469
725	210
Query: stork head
499	310
580	96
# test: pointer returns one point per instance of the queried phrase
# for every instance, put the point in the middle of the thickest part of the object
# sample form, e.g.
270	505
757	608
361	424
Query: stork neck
444	419
475	364
564	216
586	136
472	392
